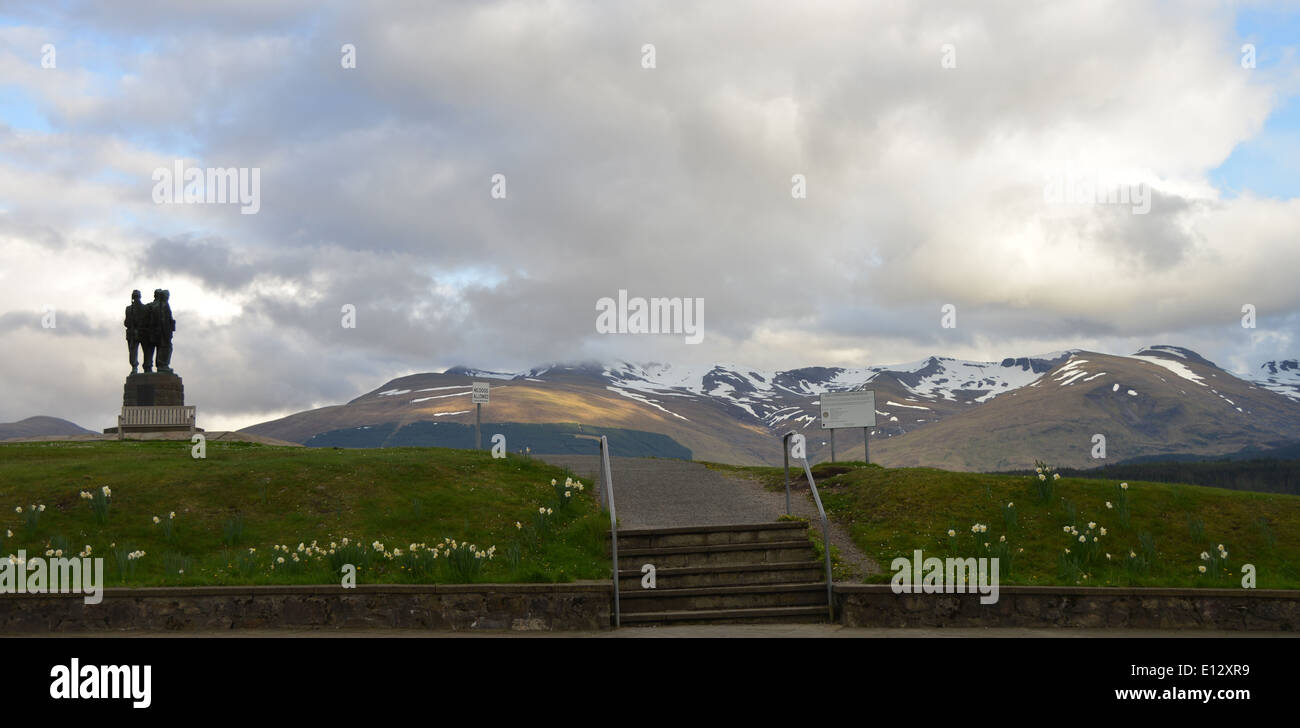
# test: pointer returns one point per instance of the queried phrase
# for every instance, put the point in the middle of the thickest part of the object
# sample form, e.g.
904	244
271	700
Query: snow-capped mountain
907	394
938	411
1160	400
921	391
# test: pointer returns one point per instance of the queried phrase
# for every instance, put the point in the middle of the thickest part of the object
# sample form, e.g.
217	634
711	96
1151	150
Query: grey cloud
209	259
66	322
672	182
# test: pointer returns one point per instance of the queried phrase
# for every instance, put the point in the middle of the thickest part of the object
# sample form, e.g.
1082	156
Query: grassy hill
891	512
234	508
40	426
1265	475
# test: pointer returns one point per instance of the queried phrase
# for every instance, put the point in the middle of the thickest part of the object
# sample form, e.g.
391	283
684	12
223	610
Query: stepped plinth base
138	429
153	389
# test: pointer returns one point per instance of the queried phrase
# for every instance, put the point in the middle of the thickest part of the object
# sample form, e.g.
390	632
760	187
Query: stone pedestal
153	389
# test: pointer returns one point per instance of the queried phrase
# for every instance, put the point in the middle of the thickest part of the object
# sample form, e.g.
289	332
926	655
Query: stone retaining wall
875	605
577	606
588	606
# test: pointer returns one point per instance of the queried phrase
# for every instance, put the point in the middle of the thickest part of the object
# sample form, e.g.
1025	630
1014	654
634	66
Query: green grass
890	512
246	496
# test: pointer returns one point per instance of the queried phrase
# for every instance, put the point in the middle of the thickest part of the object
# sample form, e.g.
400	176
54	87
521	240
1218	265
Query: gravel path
651	493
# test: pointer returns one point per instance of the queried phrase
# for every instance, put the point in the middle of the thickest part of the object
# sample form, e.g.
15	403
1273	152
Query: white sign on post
480	393
848	409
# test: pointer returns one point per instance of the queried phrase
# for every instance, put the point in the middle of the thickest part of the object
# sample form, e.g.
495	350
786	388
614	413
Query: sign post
479	396
849	409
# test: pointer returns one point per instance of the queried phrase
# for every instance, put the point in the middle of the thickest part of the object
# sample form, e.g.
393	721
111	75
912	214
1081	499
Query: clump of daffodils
1087	551
1047	477
1216	564
31	515
466	561
99	502
564	492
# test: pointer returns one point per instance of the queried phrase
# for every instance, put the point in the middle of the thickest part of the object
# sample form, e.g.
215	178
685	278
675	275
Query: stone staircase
744	573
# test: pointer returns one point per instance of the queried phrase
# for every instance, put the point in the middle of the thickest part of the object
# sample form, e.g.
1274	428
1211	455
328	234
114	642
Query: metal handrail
826	529
608	481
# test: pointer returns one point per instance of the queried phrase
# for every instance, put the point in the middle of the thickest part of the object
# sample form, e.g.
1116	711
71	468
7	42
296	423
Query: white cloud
925	187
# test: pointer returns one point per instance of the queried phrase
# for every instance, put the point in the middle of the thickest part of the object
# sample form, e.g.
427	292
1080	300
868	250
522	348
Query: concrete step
724	597
789	572
731	616
742	553
640	538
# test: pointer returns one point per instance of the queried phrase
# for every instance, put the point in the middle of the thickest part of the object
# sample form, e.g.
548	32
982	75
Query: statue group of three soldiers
149	326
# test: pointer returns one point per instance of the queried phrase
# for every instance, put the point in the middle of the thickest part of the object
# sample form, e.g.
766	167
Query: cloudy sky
932	139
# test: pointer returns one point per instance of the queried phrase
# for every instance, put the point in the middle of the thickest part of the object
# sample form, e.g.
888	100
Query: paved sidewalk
659	493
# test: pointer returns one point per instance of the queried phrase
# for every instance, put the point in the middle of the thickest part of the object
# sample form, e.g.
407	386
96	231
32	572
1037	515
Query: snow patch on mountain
909	406
645	400
482	373
1071	371
417	400
1176	367
1281	376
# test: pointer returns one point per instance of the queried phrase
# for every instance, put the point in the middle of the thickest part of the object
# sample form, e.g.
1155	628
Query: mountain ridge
1155	401
40	426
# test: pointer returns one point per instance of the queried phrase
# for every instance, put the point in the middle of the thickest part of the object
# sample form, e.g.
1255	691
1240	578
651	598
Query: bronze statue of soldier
150	326
136	321
162	325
